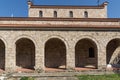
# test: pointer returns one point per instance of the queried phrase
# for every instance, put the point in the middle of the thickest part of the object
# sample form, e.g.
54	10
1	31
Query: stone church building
60	37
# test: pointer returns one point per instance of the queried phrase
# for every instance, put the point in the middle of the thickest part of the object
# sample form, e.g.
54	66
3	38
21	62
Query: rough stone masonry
66	37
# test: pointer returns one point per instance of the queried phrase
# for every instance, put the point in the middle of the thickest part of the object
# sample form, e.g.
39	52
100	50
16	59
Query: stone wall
64	13
70	39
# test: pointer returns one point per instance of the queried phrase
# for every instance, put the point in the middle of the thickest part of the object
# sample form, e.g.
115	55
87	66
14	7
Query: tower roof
31	5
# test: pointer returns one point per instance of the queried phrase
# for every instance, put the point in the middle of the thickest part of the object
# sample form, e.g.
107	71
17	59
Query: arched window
40	14
55	14
86	14
71	14
91	52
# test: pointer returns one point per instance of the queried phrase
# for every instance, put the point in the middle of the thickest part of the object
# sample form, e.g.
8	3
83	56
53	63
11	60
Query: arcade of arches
55	53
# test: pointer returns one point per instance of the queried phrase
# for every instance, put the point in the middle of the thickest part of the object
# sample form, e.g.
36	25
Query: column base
10	69
102	67
39	69
70	68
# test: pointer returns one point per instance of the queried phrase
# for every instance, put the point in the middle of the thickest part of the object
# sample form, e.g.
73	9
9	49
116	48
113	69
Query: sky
19	8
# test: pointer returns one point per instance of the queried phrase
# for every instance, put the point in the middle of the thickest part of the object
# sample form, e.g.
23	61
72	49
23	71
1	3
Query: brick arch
25	53
55	53
86	53
113	51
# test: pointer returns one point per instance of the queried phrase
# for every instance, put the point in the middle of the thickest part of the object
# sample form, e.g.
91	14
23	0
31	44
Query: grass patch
27	78
100	77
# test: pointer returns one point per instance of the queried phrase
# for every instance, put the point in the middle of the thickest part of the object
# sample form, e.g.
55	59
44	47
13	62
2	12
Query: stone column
39	58
70	58
102	58
10	58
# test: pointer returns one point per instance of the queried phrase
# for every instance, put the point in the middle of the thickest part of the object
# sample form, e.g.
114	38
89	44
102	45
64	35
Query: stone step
57	78
49	78
46	76
56	75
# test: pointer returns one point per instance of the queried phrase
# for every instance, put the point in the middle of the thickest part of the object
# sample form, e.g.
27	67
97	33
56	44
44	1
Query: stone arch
59	37
4	41
25	53
2	54
113	51
91	38
55	53
86	53
25	36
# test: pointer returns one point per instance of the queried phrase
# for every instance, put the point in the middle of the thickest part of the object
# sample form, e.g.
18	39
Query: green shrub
27	78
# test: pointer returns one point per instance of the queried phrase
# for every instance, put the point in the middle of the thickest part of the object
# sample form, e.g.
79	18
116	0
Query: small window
86	14
40	14
71	14
91	52
55	14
